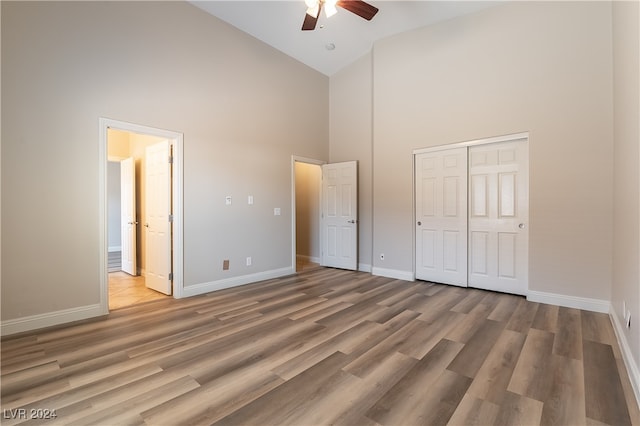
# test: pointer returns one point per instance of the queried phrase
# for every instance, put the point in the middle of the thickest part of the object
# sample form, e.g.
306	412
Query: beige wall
243	108
543	68
626	195
351	139
308	184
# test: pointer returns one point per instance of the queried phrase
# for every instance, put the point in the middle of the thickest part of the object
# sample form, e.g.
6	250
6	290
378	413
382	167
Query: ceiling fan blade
360	8
310	21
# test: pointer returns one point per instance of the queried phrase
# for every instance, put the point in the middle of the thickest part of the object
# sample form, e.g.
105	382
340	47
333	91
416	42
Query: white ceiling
278	23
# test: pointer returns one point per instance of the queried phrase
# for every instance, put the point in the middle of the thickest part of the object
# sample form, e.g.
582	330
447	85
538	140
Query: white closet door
498	217
441	216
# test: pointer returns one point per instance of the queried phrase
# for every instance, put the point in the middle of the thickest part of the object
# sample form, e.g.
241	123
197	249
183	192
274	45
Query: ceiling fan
360	8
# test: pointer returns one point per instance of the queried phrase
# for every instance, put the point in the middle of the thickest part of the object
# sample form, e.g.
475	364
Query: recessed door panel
479	192
479	251
332	241
451	248
429	196
332	202
347	197
507	194
507	255
428	249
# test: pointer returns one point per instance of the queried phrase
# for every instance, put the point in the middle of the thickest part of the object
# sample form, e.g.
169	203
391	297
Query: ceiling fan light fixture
314	11
330	8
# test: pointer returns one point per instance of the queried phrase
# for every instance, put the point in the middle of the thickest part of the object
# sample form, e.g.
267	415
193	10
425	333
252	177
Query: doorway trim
297	159
177	140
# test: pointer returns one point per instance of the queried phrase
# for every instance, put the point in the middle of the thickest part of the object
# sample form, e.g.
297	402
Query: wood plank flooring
127	290
322	347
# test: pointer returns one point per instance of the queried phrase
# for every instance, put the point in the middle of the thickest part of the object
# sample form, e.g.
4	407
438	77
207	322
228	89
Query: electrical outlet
381	256
225	265
249	261
276	211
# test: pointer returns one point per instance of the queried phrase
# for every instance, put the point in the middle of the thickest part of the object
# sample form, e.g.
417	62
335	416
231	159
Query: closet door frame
524	136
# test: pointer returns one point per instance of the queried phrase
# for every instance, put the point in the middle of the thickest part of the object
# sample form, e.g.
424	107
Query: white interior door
340	215
157	217
498	216
441	216
128	220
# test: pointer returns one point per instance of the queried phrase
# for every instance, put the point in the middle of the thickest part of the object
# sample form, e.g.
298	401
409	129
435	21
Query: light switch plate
227	200
276	211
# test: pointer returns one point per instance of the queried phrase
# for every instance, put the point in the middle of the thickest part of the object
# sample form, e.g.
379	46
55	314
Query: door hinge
171	218
171	276
171	159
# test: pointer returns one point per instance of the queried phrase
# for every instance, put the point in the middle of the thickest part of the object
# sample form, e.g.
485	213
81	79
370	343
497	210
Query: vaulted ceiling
278	23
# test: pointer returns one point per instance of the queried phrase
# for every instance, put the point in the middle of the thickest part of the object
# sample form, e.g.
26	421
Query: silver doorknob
351	221
521	226
133	223
146	225
419	223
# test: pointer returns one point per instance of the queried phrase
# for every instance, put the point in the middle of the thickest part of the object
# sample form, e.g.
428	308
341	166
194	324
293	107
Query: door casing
177	141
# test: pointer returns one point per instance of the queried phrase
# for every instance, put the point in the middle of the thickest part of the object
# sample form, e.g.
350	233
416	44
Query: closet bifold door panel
441	216
498	217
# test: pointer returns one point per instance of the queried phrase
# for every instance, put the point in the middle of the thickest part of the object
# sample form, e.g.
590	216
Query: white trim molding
594	305
632	368
35	322
202	288
303	258
495	139
364	267
393	273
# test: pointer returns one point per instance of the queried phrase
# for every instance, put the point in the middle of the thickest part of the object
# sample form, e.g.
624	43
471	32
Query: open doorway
325	213
141	219
128	192
307	179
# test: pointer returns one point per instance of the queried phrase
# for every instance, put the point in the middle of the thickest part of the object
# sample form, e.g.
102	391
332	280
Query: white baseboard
627	356
194	290
303	258
114	248
393	273
363	267
594	305
35	322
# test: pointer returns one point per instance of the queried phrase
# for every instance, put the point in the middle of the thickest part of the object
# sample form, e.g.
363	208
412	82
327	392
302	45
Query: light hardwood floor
325	347
127	290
